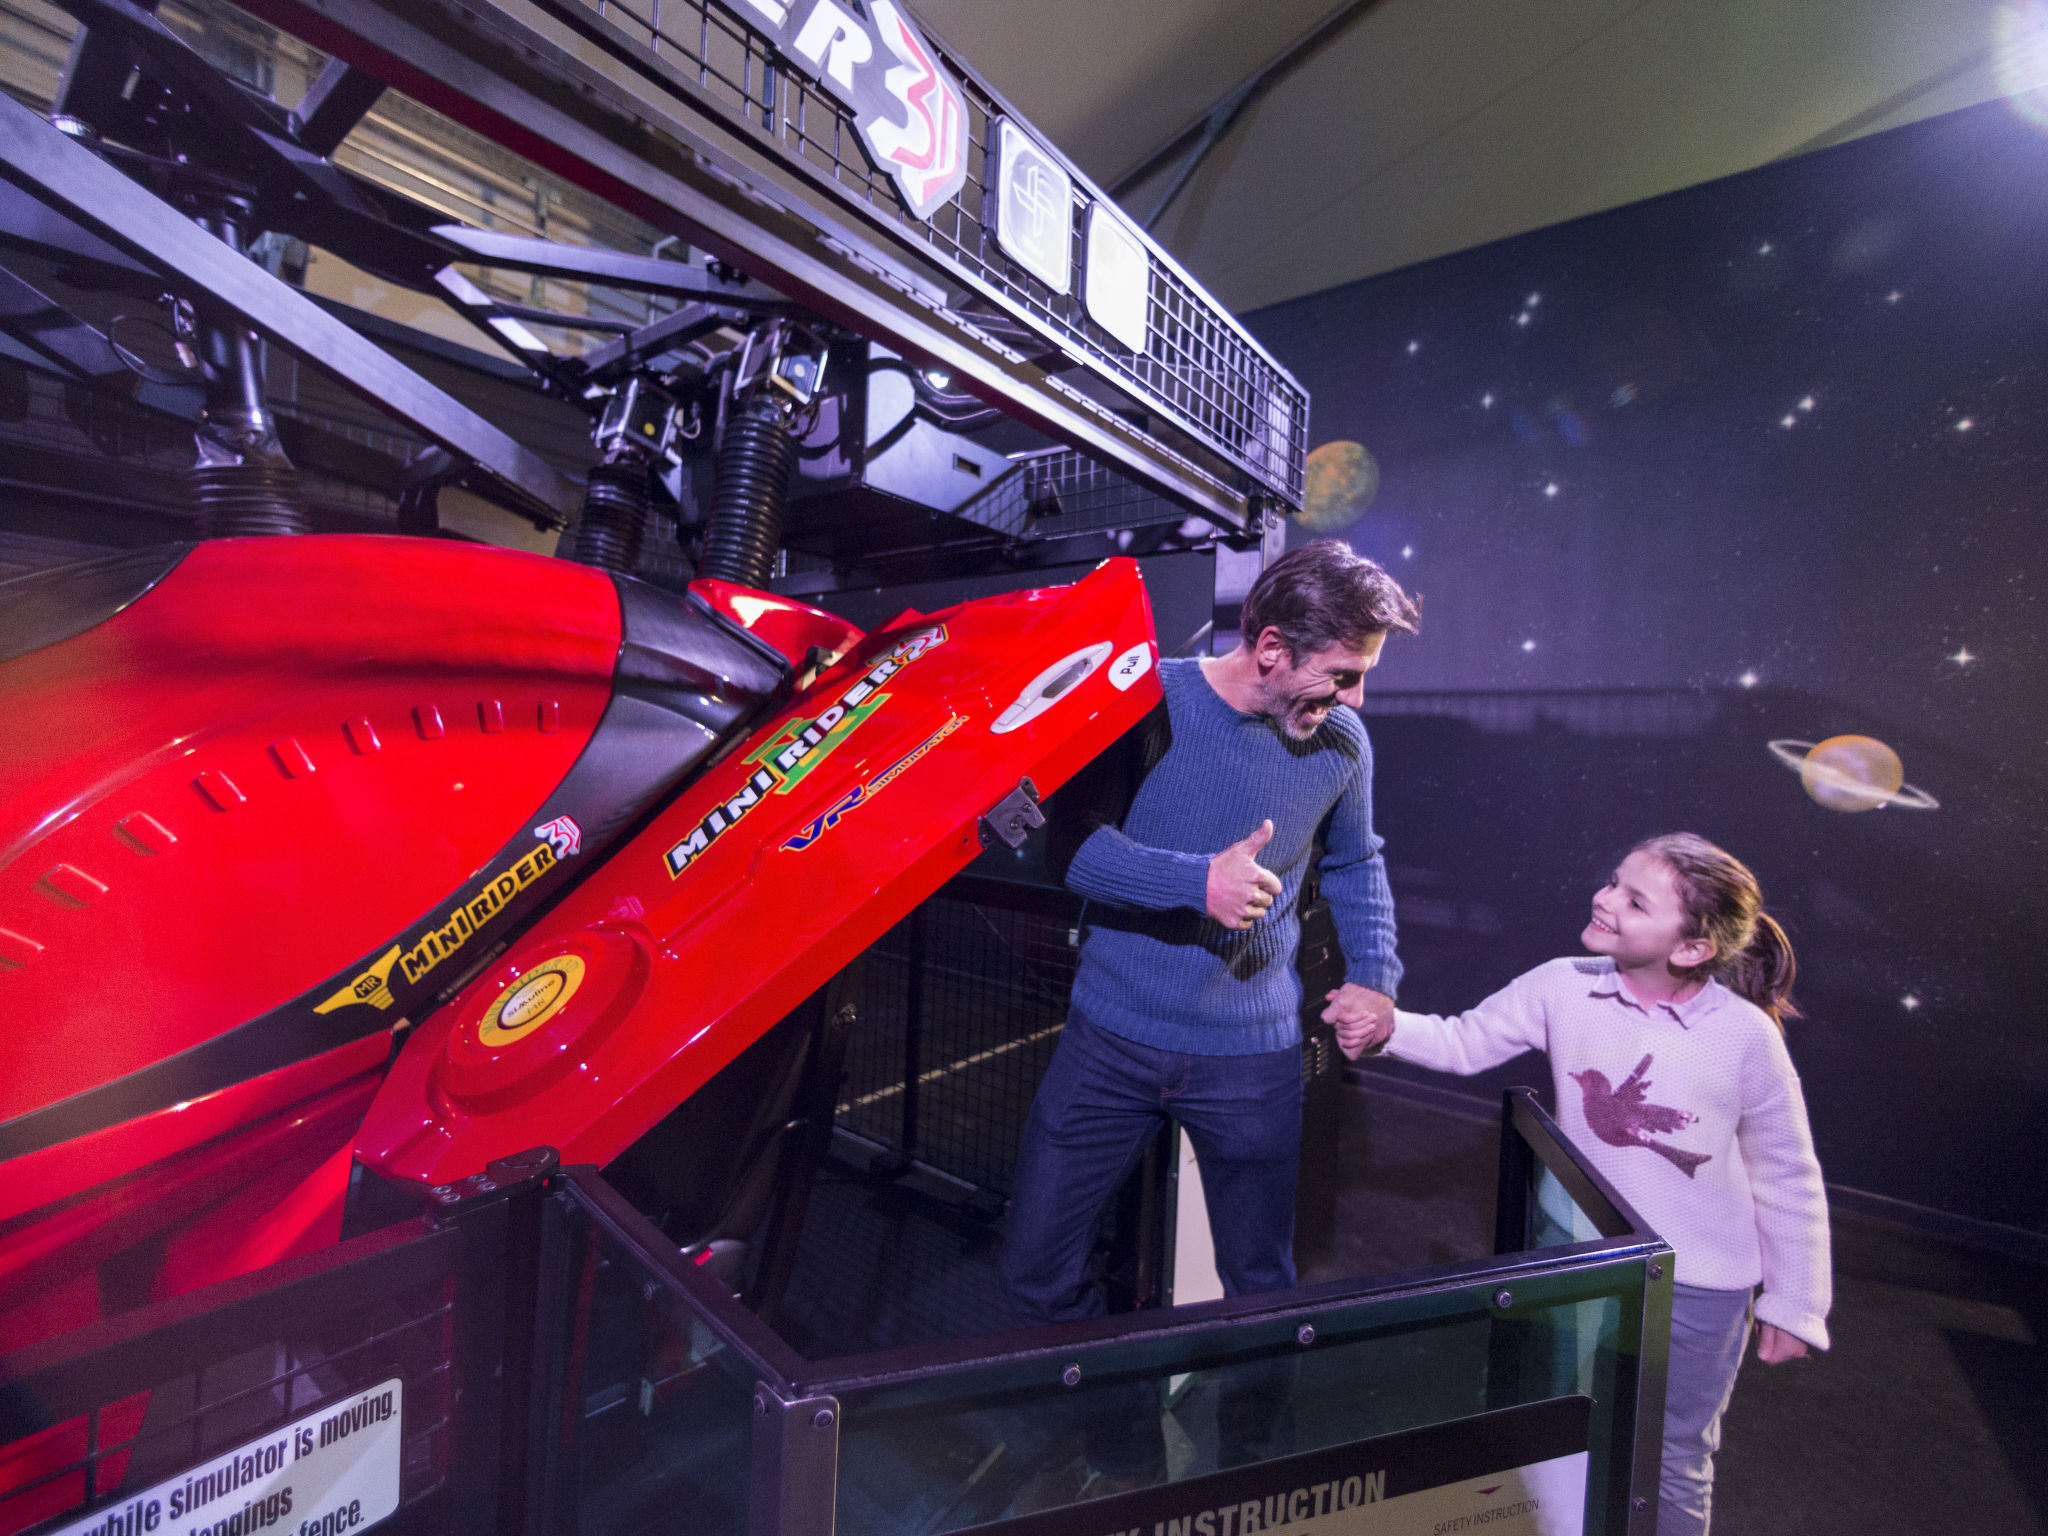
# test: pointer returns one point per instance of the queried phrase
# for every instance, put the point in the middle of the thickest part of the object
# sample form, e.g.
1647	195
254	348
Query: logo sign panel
334	1470
909	109
1516	1472
1034	207
531	1001
1117	287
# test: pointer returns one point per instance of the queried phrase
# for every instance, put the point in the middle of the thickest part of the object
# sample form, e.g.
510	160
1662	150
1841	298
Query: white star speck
1550	489
1909	1002
1748	679
1528	645
1963	657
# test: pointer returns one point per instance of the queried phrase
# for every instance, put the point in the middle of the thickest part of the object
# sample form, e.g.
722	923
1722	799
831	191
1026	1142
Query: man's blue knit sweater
1155	967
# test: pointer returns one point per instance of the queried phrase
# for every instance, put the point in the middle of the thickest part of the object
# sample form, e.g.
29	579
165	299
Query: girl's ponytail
1723	903
1765	971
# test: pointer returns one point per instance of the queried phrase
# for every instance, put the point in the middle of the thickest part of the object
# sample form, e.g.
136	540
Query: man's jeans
1102	1101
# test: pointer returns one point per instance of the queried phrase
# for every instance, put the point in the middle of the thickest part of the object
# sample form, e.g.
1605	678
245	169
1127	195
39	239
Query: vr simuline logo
799	745
910	113
861	794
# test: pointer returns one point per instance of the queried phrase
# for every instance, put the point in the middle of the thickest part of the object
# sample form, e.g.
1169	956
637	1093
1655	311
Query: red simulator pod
763	878
532	1018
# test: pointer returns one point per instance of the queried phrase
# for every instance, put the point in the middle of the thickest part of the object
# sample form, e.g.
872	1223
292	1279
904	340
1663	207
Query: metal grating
1199	369
1056	492
962	1008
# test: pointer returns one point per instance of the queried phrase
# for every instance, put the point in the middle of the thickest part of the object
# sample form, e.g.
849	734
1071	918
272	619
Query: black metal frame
509	1255
566	85
804	1402
475	1259
71	179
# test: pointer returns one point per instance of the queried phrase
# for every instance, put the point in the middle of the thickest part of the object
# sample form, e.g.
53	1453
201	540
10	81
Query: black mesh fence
963	1004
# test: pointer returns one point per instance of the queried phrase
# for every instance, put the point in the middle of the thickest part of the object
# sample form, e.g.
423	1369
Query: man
1186	1004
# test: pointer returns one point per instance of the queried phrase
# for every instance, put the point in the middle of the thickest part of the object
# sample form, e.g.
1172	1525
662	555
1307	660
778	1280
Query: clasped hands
1241	891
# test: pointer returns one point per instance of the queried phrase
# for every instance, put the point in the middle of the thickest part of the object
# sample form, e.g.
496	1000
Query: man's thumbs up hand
1241	890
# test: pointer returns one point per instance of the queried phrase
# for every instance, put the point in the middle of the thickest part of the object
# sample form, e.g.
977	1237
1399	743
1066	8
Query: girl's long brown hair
1724	903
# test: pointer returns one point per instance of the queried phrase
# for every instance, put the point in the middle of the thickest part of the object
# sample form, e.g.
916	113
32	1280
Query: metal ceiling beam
1208	130
335	102
83	187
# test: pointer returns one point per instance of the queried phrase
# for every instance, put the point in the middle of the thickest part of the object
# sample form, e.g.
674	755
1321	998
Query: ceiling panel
1428	126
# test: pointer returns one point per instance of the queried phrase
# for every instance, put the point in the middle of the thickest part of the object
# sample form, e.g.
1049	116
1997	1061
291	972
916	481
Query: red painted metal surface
271	761
223	793
795	629
287	751
764	877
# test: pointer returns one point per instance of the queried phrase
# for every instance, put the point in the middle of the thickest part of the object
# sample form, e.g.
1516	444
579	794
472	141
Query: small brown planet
1340	483
1852	773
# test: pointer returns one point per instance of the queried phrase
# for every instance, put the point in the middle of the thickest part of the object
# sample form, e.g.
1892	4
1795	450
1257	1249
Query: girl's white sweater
1692	1111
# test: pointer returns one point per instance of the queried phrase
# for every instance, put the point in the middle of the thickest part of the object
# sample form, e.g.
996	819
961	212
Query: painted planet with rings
1852	773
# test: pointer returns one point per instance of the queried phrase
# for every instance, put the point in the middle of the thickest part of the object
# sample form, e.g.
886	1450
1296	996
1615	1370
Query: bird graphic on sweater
1621	1117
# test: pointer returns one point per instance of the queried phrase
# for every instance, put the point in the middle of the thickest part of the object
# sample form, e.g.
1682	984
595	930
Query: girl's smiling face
1639	918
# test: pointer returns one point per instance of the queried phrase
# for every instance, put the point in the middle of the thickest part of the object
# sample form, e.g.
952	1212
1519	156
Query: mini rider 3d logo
1034	207
562	834
908	108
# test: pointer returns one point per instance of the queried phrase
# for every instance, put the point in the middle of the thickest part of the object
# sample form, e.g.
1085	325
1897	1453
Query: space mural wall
1690	489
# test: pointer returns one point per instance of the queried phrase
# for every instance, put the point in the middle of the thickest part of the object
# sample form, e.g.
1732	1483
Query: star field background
1764	458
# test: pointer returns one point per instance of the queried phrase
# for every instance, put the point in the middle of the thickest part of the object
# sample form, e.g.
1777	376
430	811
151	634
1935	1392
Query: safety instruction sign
1516	1472
331	1472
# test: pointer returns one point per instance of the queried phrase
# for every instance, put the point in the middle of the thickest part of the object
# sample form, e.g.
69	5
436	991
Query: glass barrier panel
976	1444
657	1406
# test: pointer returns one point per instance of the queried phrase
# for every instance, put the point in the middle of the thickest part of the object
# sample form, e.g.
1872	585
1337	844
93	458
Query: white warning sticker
333	1471
1130	666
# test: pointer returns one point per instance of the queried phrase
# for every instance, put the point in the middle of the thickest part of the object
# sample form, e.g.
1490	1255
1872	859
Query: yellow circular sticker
531	1001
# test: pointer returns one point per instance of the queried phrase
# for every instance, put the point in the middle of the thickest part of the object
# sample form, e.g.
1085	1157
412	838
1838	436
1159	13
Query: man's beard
1293	714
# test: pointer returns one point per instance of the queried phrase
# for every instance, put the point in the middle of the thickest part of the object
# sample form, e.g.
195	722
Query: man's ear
1271	648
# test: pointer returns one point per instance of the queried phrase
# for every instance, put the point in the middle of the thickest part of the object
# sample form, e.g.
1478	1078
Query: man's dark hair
1322	594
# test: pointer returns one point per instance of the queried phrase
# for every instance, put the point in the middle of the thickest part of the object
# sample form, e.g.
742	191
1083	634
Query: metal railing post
1517	1168
499	1212
794	1489
1653	1361
913	1031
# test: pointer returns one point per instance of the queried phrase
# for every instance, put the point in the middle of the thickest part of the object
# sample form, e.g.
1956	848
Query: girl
1668	1058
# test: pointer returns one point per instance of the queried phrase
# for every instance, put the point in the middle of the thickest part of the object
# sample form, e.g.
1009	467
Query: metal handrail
1402	1297
740	1330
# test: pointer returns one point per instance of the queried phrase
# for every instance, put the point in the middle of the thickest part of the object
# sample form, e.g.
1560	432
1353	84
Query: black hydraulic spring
616	504
242	483
745	523
255	497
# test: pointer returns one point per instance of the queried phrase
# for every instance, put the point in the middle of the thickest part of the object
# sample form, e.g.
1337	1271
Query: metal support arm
76	182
